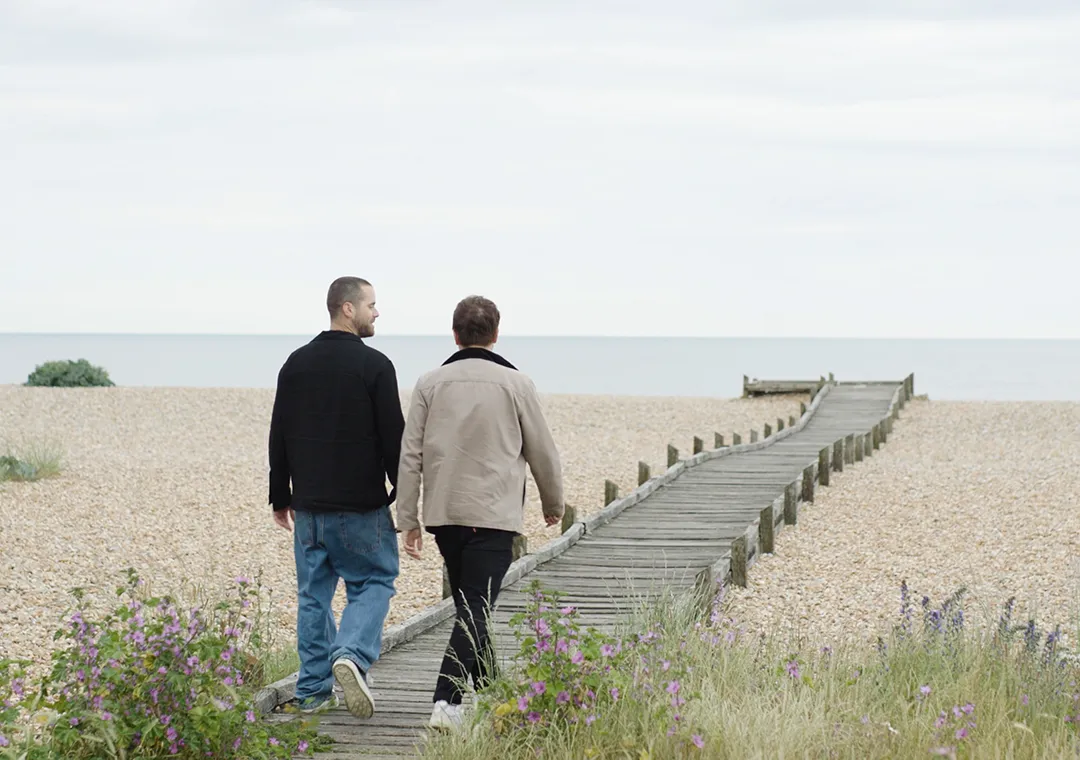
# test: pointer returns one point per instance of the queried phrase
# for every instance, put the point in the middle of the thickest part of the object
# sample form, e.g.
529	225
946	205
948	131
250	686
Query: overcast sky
904	168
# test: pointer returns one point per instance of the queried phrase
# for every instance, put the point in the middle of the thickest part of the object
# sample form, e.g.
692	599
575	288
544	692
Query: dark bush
69	374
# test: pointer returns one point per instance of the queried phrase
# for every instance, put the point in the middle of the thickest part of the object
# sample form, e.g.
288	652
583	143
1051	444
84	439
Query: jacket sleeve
389	421
540	452
280	488
412	463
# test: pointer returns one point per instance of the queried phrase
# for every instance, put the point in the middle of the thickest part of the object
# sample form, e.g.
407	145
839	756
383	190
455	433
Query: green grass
31	461
935	687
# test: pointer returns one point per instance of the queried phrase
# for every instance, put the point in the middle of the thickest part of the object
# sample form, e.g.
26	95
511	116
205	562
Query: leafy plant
69	374
148	680
31	462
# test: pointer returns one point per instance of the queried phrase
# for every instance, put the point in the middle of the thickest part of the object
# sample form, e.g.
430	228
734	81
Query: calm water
946	369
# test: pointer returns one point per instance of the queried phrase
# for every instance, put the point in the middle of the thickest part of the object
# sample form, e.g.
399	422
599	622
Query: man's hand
550	520
414	543
285	518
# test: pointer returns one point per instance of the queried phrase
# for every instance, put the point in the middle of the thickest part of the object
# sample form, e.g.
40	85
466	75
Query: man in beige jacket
473	425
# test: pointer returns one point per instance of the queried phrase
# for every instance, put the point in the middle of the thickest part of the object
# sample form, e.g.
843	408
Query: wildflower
698	741
4	741
302	746
74	722
793	669
106	715
924	690
523	704
274	741
171	734
577	658
165	719
562	698
968	709
562	647
615	694
607	650
673	687
569	610
533	717
590	720
1024	700
961	734
539	688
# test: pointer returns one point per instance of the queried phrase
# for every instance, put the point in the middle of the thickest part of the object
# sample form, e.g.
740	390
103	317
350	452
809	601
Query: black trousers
476	561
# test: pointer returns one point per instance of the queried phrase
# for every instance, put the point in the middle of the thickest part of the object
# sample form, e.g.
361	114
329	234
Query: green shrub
32	462
149	680
69	374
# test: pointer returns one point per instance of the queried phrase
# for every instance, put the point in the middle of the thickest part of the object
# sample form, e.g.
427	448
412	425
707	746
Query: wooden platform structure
705	519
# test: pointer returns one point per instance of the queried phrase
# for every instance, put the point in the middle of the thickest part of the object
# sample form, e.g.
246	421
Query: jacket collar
479	353
338	335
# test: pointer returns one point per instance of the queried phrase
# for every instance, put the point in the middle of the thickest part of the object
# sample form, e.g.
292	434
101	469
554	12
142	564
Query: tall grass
31	461
693	687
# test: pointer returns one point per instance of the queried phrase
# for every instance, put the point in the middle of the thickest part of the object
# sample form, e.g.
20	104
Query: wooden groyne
706	519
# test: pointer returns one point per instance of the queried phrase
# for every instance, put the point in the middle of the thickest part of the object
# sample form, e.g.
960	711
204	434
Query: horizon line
532	336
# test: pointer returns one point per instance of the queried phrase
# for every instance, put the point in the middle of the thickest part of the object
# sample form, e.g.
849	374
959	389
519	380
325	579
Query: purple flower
590	720
961	734
170	734
577	658
106	715
673	687
4	741
698	741
568	610
615	694
1024	700
274	742
302	746
250	717
968	709
538	688
562	698
793	669
533	717
74	721
925	690
561	647
523	704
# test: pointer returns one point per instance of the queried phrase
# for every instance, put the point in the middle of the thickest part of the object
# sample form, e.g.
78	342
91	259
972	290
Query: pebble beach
173	483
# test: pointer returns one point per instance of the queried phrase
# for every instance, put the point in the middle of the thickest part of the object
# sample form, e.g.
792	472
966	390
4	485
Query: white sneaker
358	697
446	717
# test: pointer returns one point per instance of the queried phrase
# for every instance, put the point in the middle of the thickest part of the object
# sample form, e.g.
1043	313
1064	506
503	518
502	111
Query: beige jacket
473	424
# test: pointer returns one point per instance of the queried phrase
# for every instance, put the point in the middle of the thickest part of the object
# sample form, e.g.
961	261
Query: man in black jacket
335	439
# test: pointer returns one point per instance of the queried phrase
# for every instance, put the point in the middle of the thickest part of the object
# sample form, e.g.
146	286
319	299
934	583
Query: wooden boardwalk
672	529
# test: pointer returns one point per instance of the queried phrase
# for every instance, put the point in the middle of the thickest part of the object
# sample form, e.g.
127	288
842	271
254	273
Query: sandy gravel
173	482
983	495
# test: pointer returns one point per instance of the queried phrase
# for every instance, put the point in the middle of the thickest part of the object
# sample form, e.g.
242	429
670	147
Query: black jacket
336	428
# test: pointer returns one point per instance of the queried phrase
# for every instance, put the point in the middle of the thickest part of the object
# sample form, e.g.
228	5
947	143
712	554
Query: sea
945	369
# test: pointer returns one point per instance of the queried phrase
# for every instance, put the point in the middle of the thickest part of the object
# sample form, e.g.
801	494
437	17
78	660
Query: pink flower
533	717
698	741
562	698
523	704
577	658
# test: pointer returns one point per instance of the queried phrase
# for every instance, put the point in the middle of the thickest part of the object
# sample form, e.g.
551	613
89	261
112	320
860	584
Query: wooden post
875	432
611	492
520	547
791	419
791	508
643	473
745	383
569	517
672	455
753	436
779	425
802	408
868	445
738	561
767	529
849	449
699	445
736	439
768	430
718	441
446	592
885	430
808	484
823	466
838	456
860	447
831	378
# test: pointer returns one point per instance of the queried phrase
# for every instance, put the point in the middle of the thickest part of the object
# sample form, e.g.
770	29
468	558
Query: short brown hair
476	321
344	290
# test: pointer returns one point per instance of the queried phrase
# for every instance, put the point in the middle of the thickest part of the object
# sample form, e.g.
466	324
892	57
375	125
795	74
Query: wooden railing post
736	439
754	436
808	484
875	432
643	473
791	507
779	425
823	466
699	445
672	456
849	449
768	430
838	456
738	561
569	517
767	529
718	441
611	492
859	448
519	548
868	445
791	420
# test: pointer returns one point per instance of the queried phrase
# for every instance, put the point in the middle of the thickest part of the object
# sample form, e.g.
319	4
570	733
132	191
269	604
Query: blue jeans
362	550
